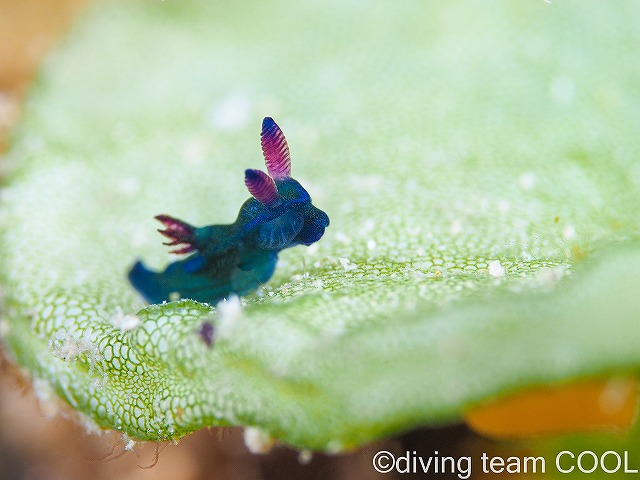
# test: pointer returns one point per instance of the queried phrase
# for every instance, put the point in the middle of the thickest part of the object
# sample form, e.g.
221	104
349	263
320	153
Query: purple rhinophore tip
178	232
206	333
262	187
275	150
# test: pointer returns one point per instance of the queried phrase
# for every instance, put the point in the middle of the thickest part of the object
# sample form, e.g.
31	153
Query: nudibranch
237	258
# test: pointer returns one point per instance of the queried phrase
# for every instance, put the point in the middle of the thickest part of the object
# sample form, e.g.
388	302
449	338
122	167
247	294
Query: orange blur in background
582	406
28	28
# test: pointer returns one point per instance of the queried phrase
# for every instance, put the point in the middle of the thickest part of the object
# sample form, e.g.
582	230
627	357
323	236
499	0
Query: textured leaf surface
471	156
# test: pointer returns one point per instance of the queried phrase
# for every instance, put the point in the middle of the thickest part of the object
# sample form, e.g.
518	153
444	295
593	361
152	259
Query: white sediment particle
139	237
455	228
371	244
90	427
342	238
257	440
527	180
368	226
46	397
232	113
569	232
504	206
229	310
496	269
67	346
130	445
125	322
305	456
548	277
129	186
346	264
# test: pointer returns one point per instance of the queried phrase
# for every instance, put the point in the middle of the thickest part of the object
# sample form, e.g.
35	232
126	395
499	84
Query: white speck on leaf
455	228
548	277
68	347
125	322
232	113
569	232
46	397
496	269
342	238
129	186
527	180
504	206
230	310
346	264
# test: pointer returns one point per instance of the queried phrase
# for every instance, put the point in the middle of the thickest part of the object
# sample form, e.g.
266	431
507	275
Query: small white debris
232	113
496	269
90	427
527	180
48	400
174	296
371	244
67	347
569	232
129	186
368	226
257	440
125	322
130	445
455	228
346	264
230	310
548	277
305	456
334	447
342	238
504	206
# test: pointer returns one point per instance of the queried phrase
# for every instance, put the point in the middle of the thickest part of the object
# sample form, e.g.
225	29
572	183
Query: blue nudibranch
238	258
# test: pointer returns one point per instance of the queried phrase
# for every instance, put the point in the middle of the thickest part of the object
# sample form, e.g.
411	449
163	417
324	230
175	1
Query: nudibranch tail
179	232
262	187
275	150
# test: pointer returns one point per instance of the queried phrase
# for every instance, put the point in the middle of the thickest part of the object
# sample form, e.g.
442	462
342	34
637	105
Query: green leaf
470	155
